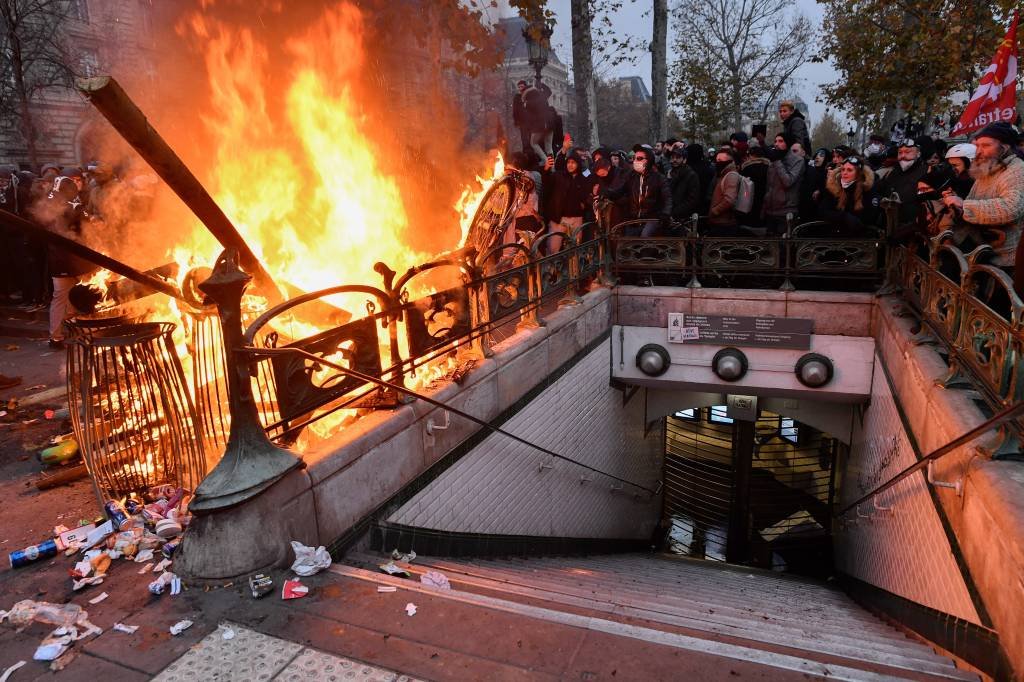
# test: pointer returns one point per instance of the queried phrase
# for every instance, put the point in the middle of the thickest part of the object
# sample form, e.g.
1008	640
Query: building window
80	10
89	63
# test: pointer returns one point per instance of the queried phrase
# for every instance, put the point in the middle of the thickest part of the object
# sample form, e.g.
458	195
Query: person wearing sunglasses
847	202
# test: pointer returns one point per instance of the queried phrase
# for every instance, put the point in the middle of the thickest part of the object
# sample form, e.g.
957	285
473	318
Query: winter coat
782	194
796	126
685	187
723	198
616	182
518	110
904	183
851	208
756	168
998	200
63	212
535	101
568	196
649	195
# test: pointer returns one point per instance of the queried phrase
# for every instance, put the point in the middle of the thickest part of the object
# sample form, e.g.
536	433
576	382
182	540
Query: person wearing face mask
902	180
650	197
722	218
933	216
846	203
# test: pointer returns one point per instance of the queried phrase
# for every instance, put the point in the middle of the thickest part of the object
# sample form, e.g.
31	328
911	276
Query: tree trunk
583	75
659	73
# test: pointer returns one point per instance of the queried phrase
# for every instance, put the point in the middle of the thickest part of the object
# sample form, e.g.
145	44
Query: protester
538	119
741	145
902	179
846	203
722	219
685	188
650	197
756	168
794	124
705	172
63	212
567	198
996	200
959	157
782	196
607	177
519	115
528	217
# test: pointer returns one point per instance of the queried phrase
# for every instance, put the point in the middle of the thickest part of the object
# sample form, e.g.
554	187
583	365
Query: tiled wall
905	550
507	488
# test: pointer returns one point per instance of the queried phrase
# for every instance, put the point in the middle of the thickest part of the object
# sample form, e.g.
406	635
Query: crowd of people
72	202
755	185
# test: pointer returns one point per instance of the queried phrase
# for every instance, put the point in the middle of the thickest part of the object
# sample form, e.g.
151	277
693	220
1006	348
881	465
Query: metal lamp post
538	43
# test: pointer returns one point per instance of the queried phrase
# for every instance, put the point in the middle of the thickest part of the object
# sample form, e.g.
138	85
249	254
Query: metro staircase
770	621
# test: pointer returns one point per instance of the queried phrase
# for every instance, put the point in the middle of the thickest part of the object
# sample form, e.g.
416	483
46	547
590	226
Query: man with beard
997	198
902	180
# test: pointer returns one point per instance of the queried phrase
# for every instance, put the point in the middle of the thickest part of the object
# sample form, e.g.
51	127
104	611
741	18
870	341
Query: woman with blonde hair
847	202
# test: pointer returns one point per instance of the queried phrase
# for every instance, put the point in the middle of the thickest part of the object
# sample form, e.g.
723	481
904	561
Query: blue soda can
168	549
117	515
23	557
133	506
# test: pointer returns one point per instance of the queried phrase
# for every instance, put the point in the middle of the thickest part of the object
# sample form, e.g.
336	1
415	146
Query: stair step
769	659
850	642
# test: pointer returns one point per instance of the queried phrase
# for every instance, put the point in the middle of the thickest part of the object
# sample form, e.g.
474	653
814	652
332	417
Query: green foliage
828	133
910	54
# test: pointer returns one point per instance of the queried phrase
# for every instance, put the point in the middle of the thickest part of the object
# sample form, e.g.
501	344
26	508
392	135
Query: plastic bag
60	615
309	561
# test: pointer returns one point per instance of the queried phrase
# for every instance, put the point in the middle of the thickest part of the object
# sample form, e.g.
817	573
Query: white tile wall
500	487
904	551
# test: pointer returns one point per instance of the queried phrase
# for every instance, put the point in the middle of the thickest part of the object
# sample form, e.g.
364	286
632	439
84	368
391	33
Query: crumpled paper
436	579
309	561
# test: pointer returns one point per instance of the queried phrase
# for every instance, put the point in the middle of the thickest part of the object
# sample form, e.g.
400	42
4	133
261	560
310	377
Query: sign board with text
738	330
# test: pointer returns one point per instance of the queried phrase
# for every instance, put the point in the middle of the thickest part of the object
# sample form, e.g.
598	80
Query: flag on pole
996	96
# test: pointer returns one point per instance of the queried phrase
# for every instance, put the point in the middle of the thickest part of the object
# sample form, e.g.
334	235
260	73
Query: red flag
996	96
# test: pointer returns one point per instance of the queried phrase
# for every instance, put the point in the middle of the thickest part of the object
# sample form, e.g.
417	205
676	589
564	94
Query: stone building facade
99	36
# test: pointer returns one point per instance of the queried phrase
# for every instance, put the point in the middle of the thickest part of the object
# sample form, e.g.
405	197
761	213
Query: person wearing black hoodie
756	168
650	197
705	173
685	187
611	177
902	180
568	199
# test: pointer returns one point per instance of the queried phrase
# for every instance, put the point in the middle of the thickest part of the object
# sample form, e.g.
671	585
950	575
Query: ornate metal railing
499	289
969	309
785	262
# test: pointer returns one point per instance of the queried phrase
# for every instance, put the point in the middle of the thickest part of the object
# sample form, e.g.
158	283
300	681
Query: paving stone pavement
232	653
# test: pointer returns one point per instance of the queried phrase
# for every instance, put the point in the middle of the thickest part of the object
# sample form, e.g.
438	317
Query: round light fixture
814	370
729	364
653	360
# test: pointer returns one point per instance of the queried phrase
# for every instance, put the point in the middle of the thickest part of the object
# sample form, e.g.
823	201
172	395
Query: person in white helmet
959	157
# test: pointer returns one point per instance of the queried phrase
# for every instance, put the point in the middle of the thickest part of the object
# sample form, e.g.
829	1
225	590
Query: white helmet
964	150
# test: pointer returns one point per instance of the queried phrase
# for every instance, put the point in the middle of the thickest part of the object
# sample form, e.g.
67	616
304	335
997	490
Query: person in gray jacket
782	194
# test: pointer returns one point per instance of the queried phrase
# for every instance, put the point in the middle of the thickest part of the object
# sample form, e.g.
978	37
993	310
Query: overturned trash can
132	412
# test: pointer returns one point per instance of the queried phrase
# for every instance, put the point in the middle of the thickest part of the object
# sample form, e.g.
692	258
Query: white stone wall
905	550
505	487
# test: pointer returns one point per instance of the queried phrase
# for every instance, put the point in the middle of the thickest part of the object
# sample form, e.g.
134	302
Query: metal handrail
1008	414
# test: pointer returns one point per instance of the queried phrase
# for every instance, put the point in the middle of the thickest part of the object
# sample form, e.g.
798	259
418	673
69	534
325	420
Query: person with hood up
959	158
846	202
650	197
705	173
741	145
785	173
607	176
568	195
685	187
794	124
902	180
722	218
756	168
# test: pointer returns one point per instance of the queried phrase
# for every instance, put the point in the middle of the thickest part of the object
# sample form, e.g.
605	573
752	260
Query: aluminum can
117	515
26	556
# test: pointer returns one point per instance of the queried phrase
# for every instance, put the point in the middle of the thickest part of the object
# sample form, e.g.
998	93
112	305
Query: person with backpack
722	218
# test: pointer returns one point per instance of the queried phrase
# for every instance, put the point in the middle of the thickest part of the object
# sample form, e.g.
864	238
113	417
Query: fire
469	202
294	164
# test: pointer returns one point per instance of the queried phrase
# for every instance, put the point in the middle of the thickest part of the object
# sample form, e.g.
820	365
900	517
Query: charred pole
18	224
110	99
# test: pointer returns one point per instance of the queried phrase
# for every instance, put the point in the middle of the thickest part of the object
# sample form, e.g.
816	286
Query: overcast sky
635	19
